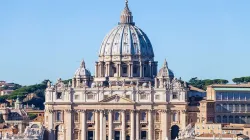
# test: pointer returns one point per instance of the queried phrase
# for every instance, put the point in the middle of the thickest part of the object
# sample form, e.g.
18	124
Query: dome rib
135	42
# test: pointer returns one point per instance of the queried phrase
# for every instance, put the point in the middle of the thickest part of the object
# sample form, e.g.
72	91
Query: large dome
126	39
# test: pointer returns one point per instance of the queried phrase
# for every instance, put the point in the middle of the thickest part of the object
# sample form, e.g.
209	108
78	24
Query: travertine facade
127	99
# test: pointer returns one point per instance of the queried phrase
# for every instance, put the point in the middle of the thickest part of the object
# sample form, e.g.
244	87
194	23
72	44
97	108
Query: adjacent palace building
126	99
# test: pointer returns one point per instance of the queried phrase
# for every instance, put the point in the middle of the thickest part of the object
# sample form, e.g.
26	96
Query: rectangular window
128	116
157	97
77	97
58	116
175	95
76	134
128	96
90	96
124	70
143	96
59	95
106	96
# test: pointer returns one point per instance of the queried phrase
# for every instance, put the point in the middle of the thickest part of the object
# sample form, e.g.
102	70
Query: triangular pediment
117	99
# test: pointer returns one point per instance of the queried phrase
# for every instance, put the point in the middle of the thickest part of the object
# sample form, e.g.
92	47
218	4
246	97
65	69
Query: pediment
117	99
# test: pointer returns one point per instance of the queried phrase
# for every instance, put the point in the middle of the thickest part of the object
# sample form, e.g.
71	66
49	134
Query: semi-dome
126	39
165	71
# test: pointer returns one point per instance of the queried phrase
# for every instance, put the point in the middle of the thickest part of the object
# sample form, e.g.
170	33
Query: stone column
164	124
141	69
118	70
108	67
138	125
110	125
150	125
69	124
132	126
84	130
50	124
96	125
183	119
123	125
150	69
96	69
101	125
132	69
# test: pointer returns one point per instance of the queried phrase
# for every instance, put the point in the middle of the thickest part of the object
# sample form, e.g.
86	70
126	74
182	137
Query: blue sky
47	39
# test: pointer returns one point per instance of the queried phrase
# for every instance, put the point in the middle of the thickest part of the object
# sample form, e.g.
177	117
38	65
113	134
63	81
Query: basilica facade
128	98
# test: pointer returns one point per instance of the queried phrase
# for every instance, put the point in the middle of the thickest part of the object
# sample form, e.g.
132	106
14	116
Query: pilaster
69	124
132	126
123	125
96	125
110	115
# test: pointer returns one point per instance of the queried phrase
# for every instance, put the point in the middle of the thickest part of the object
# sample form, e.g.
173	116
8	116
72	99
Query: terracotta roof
223	135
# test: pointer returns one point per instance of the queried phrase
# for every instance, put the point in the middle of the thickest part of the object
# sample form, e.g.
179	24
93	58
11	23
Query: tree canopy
242	80
202	84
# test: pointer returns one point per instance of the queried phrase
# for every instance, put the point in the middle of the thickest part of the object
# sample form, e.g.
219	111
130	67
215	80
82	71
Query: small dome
165	71
126	39
82	72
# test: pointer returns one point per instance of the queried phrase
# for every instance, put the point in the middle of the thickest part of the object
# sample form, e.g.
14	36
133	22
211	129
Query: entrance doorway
117	135
90	135
174	131
143	135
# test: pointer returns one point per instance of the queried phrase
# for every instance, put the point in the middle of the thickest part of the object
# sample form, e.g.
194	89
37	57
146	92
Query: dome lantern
126	15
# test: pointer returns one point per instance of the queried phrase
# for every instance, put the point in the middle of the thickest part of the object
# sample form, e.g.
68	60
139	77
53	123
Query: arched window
248	108
175	117
230	96
224	96
225	108
230	107
224	119
237	119
76	117
157	117
236	108
236	96
231	119
117	116
218	96
242	96
218	119
218	107
143	116
59	116
247	96
90	116
242	108
243	119
248	119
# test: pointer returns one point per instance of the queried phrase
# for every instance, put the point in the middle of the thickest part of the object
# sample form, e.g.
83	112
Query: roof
223	135
230	85
195	88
